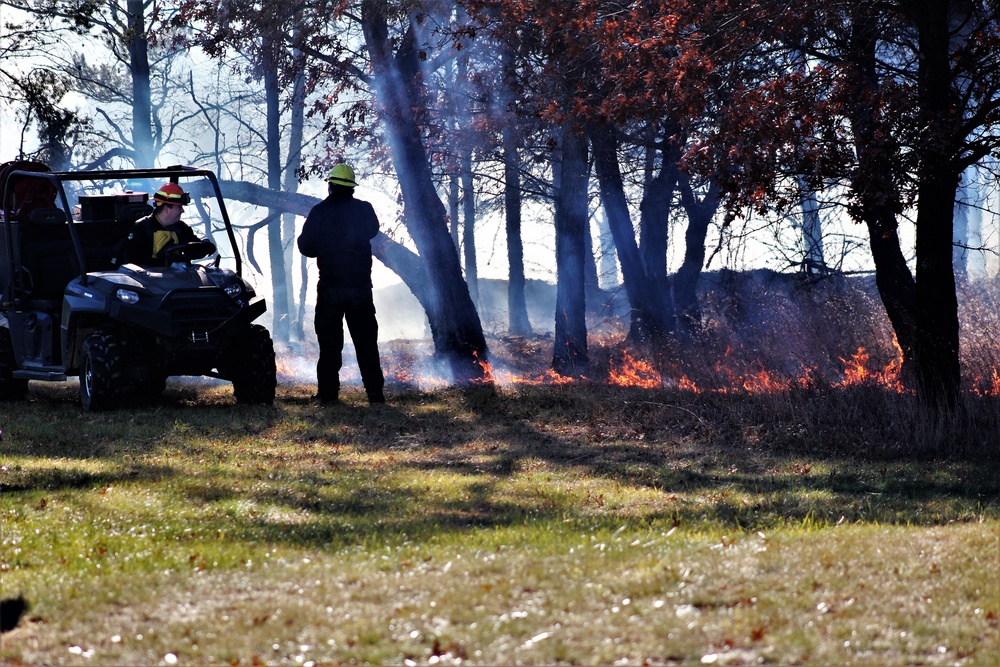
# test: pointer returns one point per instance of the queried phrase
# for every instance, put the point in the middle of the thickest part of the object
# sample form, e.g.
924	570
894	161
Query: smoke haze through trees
670	107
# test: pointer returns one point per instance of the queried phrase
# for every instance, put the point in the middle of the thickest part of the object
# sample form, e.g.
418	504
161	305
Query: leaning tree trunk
878	197
569	355
455	326
896	287
398	258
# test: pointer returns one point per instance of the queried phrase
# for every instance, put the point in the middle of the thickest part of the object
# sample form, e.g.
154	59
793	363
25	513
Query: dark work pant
334	305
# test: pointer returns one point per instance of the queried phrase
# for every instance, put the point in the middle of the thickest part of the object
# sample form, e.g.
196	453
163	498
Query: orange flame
687	384
488	376
857	371
991	391
635	373
763	382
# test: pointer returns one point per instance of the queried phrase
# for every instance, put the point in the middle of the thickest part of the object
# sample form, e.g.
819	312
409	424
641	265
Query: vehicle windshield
121	200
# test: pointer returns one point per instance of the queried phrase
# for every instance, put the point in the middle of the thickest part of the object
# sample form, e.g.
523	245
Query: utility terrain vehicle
70	307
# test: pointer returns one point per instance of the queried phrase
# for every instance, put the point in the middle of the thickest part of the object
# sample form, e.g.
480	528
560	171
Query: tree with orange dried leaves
893	100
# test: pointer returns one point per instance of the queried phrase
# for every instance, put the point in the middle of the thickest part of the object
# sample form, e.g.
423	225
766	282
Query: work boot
376	397
326	399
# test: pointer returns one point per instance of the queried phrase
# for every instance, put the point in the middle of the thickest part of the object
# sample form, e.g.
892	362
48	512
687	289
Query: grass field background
570	524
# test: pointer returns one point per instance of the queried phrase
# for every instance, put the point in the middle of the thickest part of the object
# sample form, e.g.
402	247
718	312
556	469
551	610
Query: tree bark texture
699	214
398	258
570	355
517	306
142	105
279	276
937	345
648	311
455	326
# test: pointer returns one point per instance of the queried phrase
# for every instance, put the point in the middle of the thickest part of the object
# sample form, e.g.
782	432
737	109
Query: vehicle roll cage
57	178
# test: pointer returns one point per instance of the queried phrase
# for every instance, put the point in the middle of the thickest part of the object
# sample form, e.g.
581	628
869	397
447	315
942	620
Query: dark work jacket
338	233
148	237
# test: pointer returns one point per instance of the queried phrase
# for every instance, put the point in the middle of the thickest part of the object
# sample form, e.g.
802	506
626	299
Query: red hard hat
171	193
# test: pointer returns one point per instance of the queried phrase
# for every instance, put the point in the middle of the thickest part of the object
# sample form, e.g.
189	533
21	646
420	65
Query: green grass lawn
538	525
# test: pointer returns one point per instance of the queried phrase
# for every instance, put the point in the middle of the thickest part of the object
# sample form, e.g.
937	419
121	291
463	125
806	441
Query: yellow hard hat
342	174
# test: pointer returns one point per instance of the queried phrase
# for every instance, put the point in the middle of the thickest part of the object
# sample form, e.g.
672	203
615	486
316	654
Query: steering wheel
186	252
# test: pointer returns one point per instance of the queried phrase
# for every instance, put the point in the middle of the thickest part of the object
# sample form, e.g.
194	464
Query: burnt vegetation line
584	423
765	377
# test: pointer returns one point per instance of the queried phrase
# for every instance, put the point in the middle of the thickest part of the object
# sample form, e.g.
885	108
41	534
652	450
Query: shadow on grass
299	473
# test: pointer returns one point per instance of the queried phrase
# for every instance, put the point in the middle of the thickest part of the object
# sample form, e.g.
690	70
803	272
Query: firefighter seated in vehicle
163	228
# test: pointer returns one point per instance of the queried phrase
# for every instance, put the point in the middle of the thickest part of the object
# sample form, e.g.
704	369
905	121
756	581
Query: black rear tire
252	368
10	389
102	377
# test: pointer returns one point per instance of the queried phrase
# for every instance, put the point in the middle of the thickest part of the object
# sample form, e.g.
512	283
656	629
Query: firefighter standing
338	233
161	229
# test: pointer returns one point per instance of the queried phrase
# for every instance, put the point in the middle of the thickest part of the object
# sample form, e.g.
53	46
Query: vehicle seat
47	253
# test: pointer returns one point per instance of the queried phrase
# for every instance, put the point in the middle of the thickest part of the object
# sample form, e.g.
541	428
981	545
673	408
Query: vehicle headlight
234	290
127	296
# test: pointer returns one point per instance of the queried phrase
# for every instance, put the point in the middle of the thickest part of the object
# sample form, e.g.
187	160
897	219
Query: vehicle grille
197	312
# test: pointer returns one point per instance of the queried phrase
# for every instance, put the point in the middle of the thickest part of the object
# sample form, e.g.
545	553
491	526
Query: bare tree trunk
700	214
469	226
811	226
454	196
279	278
406	264
517	306
455	326
878	197
654	226
468	182
937	345
291	184
648	312
607	265
570	355
142	105
303	294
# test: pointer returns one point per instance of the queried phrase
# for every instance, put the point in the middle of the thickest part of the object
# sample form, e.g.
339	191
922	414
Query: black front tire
252	367
102	377
10	388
